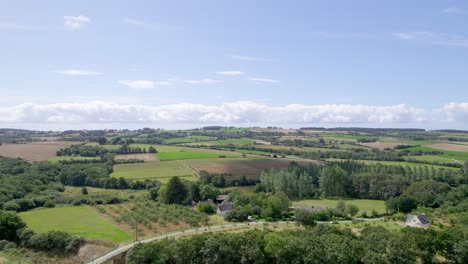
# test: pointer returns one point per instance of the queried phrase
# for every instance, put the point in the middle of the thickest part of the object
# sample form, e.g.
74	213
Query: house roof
226	206
423	219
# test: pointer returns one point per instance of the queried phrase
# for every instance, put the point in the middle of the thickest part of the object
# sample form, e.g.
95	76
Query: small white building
421	221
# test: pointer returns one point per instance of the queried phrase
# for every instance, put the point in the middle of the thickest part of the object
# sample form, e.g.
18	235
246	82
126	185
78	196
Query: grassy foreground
81	221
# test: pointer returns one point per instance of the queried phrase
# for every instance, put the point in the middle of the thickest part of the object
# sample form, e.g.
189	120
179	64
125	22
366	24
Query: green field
188	139
233	141
58	158
363	204
165	156
157	170
82	221
431	158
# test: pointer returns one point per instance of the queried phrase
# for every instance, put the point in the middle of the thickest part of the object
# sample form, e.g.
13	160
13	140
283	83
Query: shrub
205	207
49	204
11	206
9	245
3	243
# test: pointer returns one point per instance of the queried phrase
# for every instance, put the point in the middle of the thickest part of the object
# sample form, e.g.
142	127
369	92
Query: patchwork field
158	170
37	151
143	156
82	221
363	204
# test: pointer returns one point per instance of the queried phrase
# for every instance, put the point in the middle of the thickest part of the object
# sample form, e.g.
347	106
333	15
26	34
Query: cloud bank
240	112
75	22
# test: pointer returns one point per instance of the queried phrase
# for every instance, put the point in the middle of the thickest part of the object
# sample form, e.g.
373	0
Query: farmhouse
225	207
421	221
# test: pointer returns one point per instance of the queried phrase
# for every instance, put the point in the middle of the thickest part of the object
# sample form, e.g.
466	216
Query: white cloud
453	112
263	80
203	81
134	22
77	72
247	58
230	73
241	112
75	22
451	10
427	37
144	84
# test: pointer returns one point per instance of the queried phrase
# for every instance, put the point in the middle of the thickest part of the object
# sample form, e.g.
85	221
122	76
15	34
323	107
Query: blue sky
98	64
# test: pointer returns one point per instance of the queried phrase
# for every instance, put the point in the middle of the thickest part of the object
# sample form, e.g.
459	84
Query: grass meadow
82	221
158	170
364	205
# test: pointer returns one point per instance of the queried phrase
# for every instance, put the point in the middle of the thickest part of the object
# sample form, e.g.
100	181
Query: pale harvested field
142	156
449	147
37	151
251	168
380	145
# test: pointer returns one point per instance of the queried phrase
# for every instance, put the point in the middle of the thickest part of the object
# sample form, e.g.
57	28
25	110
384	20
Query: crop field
363	204
180	155
37	151
58	158
142	156
449	147
158	170
82	221
153	218
249	167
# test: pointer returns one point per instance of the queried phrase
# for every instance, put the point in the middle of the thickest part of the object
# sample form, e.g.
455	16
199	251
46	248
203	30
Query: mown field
37	151
158	170
364	205
82	221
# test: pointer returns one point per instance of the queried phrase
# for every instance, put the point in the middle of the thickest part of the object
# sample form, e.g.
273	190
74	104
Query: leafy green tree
351	210
208	191
84	191
10	223
176	192
334	181
403	203
305	218
206	207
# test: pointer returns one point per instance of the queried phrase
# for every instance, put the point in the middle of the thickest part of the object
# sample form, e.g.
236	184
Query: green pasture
188	139
82	221
157	170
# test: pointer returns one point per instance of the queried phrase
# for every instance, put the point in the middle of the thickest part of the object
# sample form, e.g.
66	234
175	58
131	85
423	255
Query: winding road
116	252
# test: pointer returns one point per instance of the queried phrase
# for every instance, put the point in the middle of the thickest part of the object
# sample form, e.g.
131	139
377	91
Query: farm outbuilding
421	221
